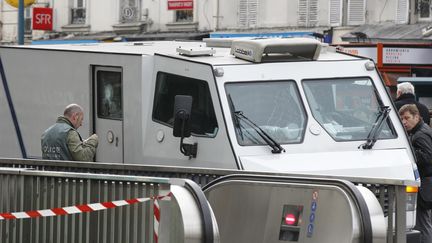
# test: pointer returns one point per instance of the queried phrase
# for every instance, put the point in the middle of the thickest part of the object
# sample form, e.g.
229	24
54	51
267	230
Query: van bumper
413	236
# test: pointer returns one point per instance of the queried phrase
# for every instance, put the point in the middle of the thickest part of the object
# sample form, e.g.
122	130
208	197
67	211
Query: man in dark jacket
421	140
405	95
62	141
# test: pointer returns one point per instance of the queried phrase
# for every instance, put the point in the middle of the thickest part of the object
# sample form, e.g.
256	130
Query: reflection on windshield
345	108
273	106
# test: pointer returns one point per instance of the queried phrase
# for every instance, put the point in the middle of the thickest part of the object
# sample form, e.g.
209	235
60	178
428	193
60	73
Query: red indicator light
290	219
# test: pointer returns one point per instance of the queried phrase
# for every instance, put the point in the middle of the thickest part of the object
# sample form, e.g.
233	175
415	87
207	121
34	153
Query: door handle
117	141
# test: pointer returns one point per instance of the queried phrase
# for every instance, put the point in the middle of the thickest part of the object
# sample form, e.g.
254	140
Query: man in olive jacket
421	140
62	141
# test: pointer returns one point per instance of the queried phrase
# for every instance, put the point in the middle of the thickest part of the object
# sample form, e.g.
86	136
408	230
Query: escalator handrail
206	215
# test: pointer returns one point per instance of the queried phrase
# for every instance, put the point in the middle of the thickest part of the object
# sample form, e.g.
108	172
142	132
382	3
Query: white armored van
274	105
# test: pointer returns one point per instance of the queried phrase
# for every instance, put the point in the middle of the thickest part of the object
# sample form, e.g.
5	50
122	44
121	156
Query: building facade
123	17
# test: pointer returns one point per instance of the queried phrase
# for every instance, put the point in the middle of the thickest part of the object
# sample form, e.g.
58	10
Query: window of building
203	118
402	12
130	11
336	12
78	12
346	12
184	16
307	13
109	95
356	12
248	13
424	9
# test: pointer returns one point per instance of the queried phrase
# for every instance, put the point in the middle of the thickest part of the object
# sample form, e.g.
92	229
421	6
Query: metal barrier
295	209
25	190
391	195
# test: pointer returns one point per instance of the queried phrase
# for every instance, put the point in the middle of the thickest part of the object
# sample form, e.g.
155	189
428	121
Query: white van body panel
56	75
379	164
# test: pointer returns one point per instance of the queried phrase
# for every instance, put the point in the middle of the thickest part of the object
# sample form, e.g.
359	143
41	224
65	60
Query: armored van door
108	113
182	77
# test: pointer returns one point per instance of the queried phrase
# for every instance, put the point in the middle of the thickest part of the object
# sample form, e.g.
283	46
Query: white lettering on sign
42	18
369	52
180	4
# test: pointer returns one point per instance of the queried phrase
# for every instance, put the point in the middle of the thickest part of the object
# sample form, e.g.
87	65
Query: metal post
217	15
21	22
400	223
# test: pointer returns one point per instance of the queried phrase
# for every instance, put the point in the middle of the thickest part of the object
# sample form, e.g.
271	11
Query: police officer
62	141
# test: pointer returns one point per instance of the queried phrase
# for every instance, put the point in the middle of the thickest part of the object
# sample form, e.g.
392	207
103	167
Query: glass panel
78	16
274	106
27	20
203	118
109	95
27	12
345	108
427	101
424	7
28	26
129	11
184	16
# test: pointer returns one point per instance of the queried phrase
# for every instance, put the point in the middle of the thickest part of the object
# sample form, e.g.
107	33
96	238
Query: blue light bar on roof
262	35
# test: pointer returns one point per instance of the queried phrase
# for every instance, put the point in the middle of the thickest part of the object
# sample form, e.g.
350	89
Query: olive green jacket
64	135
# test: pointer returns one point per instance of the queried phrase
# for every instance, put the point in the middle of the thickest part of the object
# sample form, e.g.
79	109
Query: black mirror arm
187	149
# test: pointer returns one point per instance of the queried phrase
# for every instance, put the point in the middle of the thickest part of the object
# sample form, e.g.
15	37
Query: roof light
219	72
261	50
370	65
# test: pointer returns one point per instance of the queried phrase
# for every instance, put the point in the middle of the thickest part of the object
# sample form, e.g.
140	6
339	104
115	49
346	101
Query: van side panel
135	113
43	82
8	137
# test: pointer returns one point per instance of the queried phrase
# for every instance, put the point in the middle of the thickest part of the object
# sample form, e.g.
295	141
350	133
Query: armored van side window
273	106
346	108
203	118
109	95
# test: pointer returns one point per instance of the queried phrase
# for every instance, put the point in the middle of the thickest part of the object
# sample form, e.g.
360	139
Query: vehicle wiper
276	147
376	128
234	117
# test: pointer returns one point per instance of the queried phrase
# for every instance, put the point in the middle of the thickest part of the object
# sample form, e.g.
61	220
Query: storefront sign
394	55
180	4
42	19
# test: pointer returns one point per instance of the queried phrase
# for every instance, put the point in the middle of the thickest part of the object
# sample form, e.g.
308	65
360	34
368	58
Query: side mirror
182	111
181	128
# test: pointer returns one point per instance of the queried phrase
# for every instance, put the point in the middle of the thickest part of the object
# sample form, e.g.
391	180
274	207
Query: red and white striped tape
156	220
84	208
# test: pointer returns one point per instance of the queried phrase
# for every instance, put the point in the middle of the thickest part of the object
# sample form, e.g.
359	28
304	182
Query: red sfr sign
42	19
180	4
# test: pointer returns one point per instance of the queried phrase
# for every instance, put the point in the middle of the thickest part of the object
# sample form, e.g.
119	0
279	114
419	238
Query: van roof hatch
270	50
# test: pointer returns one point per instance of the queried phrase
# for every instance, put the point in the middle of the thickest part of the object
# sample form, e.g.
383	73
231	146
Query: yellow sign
14	3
